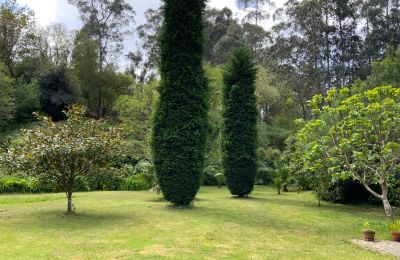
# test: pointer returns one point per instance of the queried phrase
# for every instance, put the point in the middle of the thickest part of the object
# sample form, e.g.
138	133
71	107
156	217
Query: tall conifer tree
180	126
239	141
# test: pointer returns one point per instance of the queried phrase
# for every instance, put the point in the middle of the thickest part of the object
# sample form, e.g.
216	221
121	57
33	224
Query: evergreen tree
239	141
180	126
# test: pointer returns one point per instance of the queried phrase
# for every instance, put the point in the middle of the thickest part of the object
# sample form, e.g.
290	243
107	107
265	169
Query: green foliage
136	111
135	183
212	176
180	125
114	84
62	152
387	71
213	156
220	179
353	137
14	21
27	97
58	90
18	185
394	226
366	226
239	141
7	99
280	173
85	67
383	72
263	176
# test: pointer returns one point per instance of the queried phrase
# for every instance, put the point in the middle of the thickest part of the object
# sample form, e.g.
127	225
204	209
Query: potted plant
394	227
369	234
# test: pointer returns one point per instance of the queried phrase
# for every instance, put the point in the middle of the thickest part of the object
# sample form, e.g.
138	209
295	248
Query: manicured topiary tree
180	123
239	141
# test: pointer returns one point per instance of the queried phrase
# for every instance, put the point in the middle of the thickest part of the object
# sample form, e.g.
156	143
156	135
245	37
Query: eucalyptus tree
107	23
14	21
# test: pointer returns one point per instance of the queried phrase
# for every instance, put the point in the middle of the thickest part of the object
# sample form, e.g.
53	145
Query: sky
60	11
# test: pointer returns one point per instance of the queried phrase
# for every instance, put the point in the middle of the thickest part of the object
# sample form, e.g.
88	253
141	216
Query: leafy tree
308	164
115	84
27	100
14	20
257	11
239	138
215	82
136	111
280	175
383	72
104	86
7	99
106	22
85	68
222	34
58	90
354	136
64	152
144	67
180	125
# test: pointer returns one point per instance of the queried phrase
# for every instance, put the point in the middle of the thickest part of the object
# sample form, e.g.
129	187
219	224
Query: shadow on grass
60	219
248	198
158	199
324	205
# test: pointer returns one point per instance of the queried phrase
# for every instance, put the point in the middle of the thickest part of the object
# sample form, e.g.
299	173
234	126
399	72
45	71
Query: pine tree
181	124
239	141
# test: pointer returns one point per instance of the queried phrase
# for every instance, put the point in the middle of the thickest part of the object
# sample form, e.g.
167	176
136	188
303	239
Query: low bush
18	185
264	176
135	183
211	177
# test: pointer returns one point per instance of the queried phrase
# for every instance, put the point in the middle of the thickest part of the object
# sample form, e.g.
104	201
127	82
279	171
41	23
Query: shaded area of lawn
128	225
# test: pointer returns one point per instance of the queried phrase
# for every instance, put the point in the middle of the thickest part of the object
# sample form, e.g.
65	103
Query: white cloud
220	4
45	10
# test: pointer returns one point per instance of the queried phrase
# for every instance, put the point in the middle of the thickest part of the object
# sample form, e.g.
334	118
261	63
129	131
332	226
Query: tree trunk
388	208
69	195
386	204
384	197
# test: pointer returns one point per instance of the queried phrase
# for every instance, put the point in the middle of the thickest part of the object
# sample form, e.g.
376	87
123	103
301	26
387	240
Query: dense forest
317	55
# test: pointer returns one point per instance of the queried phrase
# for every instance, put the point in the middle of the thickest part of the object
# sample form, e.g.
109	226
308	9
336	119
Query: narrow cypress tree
239	141
180	123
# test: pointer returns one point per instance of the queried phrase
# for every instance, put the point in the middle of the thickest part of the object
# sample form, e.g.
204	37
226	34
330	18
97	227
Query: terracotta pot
369	235
396	236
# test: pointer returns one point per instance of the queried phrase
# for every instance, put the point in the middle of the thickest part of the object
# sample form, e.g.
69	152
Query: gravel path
381	246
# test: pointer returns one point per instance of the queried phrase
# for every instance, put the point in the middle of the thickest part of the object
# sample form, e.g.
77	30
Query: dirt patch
381	246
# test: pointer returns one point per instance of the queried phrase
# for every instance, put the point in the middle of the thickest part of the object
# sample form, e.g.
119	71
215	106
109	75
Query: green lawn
132	225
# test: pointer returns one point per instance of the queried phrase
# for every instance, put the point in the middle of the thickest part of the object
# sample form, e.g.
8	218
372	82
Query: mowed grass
140	225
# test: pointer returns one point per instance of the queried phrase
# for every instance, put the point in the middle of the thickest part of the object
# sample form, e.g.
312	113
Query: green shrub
135	183
264	176
18	185
220	179
209	179
81	184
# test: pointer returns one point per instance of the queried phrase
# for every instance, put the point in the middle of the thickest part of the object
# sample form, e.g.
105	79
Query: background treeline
314	45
